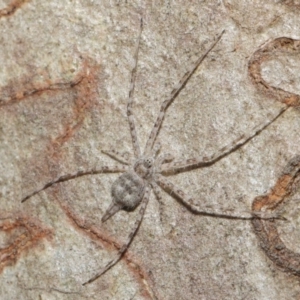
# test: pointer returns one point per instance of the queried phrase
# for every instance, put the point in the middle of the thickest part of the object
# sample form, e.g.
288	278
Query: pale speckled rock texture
64	81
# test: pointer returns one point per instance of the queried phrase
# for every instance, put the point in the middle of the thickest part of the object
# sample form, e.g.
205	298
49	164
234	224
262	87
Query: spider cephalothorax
144	167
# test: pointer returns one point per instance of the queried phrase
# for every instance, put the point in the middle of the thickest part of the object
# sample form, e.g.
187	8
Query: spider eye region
144	167
148	162
128	190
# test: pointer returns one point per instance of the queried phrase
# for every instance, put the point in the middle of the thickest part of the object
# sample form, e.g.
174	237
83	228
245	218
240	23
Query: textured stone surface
64	81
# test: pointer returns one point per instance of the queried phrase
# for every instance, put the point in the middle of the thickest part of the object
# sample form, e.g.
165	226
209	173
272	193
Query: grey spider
145	172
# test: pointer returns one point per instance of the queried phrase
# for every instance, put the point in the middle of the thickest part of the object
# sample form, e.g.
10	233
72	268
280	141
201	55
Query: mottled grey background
64	79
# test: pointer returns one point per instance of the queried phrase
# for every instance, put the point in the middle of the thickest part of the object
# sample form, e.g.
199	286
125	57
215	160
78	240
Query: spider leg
66	177
163	159
175	92
123	158
129	240
135	143
158	196
194	163
156	149
184	199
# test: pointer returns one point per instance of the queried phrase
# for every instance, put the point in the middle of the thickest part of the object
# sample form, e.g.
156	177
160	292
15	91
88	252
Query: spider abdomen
128	190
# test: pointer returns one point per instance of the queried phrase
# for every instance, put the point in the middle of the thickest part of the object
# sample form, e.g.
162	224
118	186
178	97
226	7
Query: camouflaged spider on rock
145	172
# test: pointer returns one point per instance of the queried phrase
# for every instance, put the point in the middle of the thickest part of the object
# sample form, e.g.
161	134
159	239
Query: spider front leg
175	92
123	158
66	177
163	159
135	143
194	163
129	239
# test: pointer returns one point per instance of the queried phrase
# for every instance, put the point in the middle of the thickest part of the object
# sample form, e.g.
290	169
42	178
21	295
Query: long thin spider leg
194	163
183	198
66	177
123	158
158	196
135	143
175	92
129	239
163	159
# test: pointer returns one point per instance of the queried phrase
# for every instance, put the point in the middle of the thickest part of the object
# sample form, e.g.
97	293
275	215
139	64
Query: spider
146	171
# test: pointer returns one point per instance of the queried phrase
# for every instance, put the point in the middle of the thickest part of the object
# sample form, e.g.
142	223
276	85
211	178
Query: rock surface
64	82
